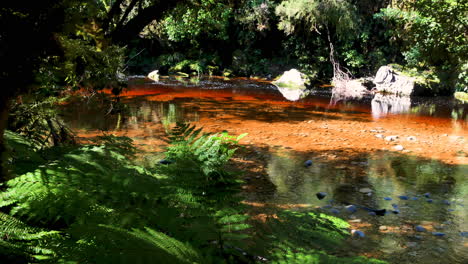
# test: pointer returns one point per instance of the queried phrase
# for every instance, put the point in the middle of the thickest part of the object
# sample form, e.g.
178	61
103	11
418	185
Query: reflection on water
383	105
392	236
149	108
292	94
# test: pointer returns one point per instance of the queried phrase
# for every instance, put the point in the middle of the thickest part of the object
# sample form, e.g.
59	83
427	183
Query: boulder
390	81
292	79
154	75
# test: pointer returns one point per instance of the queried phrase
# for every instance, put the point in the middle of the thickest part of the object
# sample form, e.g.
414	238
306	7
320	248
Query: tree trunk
4	108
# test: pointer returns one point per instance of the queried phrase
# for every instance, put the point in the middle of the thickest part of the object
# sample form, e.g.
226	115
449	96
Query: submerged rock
321	195
381	212
165	162
419	228
365	190
308	163
429	200
372	213
391	138
351	208
334	211
464	234
403	197
439	234
357	233
399	147
415	198
427	195
387	198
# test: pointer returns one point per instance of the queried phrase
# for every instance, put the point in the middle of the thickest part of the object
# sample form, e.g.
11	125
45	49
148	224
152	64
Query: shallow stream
345	138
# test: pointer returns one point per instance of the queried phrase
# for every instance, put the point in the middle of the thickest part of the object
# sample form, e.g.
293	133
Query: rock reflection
383	105
293	94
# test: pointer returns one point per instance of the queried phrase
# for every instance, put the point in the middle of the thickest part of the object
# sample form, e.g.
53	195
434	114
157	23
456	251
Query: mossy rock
462	96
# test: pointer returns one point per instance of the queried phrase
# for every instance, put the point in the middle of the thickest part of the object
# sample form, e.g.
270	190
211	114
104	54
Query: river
365	151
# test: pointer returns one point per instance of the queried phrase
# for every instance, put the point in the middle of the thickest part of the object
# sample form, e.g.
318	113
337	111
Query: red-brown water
344	138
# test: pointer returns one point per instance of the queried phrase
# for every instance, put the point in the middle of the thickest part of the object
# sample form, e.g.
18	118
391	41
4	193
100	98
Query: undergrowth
93	204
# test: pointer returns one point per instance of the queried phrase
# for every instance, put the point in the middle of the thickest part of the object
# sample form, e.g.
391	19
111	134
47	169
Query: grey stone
388	80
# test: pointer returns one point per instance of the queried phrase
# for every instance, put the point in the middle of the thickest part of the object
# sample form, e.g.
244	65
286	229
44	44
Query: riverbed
406	155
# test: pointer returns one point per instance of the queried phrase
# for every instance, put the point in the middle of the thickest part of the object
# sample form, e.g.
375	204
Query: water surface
288	127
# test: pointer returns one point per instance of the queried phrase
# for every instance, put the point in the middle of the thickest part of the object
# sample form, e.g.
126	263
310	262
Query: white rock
391	138
292	79
399	147
154	75
379	136
365	190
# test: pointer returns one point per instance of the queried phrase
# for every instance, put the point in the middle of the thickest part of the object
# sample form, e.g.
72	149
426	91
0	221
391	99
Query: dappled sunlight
353	155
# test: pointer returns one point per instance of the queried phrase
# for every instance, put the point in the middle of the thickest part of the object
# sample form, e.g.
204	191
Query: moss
462	96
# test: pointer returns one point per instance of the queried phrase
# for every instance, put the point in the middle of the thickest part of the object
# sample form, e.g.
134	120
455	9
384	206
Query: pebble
411	138
165	162
387	198
403	197
415	198
357	233
355	221
365	190
391	138
399	147
411	244
396	211
419	228
446	202
395	206
439	234
308	163
321	195
334	211
381	212
451	210
372	213
464	234
383	228
351	208
427	195
429	200
327	206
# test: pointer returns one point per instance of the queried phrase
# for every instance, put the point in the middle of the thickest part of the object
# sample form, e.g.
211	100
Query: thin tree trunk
4	109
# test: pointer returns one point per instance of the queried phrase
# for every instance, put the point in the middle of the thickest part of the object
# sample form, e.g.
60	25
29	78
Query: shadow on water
365	179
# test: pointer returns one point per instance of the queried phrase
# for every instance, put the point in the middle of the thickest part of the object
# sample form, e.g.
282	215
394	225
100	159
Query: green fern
22	243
